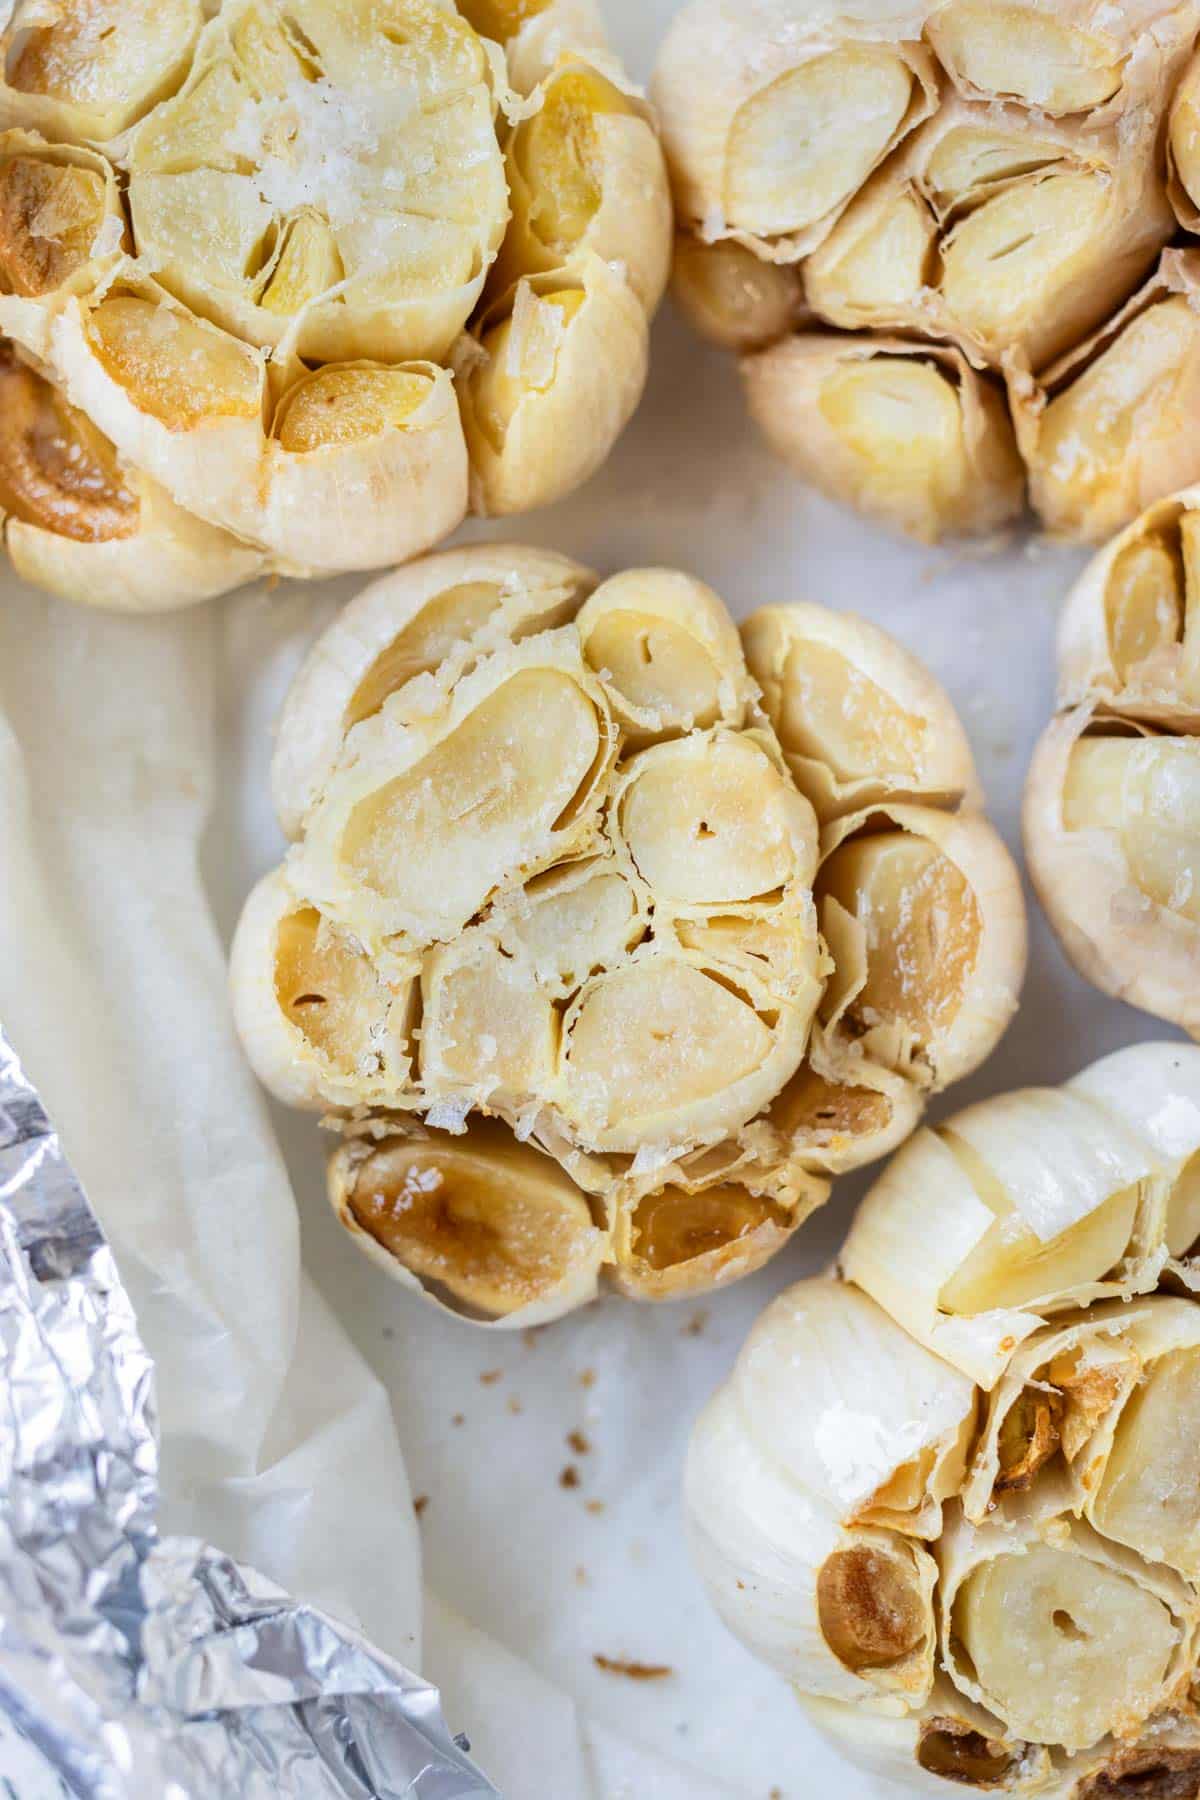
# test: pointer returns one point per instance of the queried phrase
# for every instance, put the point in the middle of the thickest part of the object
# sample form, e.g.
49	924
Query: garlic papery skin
537	34
447	609
1108	429
732	297
488	1228
909	434
78	523
923	915
1113	816
550	874
1030	1429
859	718
774	114
88	71
549	383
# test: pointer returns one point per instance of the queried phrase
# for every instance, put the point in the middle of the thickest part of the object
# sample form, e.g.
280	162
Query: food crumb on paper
529	1337
420	1502
594	1506
514	1404
569	1477
636	1671
458	1419
490	1376
695	1325
581	1575
578	1443
587	1378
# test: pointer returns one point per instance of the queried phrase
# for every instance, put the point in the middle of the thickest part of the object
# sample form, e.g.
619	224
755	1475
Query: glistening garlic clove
859	718
90	69
548	383
79	523
488	1227
910	435
1107	429
732	297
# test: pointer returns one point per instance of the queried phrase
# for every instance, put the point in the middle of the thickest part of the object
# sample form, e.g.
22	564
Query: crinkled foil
134	1666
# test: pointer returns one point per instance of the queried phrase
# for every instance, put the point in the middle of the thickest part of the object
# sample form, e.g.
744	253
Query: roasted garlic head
324	278
608	936
1112	800
953	1497
976	192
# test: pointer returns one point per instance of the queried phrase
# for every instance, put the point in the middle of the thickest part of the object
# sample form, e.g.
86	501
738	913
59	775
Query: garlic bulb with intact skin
971	195
341	275
1112	829
562	906
952	1496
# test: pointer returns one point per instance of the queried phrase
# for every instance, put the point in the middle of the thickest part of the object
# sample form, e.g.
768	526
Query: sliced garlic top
551	869
966	1394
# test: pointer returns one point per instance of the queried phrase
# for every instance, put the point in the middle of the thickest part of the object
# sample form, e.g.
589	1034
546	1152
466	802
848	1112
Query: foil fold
134	1665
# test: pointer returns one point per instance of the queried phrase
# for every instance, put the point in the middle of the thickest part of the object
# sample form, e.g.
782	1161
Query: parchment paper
305	1408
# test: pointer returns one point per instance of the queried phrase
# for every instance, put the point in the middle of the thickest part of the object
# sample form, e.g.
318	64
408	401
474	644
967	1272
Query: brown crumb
636	1671
458	1419
529	1337
490	1376
514	1405
741	1587
775	1794
695	1325
594	1506
581	1575
569	1477
578	1443
587	1378
420	1503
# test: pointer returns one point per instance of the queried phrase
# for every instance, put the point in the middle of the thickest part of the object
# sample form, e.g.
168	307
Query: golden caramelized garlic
972	195
566	902
328	278
953	1496
1112	800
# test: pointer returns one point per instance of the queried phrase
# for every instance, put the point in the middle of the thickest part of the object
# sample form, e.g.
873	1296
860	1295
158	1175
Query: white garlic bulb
974	191
1111	826
558	900
311	224
952	1497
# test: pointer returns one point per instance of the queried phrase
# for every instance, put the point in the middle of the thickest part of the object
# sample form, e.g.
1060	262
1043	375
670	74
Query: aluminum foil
132	1665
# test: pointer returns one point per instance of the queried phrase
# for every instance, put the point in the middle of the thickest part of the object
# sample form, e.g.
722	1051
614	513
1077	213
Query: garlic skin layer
1112	832
602	962
975	197
324	280
951	1495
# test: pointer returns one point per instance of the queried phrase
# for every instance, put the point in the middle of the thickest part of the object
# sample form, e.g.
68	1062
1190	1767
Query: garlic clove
586	173
859	718
1023	52
89	69
486	1226
675	1241
912	436
441	613
734	298
549	382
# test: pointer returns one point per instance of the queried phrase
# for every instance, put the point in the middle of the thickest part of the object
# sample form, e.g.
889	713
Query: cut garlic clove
667	652
62	226
712	820
837	1118
480	1223
670	1051
772	124
1183	148
440	613
923	915
859	718
88	69
79	523
1065	1641
586	173
439	808
733	297
949	1740
1020	1205
912	436
675	1241
1106	430
330	169
1009	235
488	1034
320	1023
1126	637
546	389
1112	833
